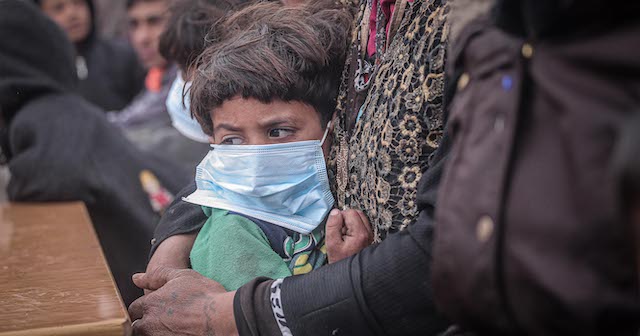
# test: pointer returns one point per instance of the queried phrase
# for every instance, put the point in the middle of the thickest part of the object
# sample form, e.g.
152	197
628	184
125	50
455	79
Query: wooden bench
54	279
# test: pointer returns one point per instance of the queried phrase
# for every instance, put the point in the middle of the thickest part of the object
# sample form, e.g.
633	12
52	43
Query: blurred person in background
146	121
60	147
147	20
109	72
182	42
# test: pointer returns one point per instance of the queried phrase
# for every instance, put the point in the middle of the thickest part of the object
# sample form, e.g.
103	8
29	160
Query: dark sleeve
252	309
136	80
131	73
136	74
181	217
385	289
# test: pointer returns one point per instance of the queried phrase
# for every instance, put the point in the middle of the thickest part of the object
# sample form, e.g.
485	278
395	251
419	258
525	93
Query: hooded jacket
60	147
530	239
109	72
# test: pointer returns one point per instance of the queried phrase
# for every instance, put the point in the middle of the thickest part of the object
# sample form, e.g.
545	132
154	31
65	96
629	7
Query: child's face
73	16
242	121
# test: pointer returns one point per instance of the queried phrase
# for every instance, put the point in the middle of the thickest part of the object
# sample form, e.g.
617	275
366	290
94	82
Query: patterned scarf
378	157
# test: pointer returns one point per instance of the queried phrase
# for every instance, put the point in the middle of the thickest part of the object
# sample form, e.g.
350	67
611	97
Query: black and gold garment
385	134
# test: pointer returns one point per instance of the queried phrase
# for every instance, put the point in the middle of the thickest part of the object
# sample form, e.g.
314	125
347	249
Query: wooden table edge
87	216
116	326
108	327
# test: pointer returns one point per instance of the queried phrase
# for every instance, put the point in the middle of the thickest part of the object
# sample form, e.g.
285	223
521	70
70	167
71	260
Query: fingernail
137	276
334	212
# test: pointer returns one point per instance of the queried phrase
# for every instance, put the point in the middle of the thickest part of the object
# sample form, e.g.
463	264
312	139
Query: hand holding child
348	232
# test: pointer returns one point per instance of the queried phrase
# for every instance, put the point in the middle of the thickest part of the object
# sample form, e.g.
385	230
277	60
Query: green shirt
233	250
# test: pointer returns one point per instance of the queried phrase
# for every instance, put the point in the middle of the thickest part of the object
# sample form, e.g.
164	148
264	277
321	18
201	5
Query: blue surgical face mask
284	184
180	113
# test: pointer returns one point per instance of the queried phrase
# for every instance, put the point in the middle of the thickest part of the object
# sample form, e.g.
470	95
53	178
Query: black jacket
61	148
114	74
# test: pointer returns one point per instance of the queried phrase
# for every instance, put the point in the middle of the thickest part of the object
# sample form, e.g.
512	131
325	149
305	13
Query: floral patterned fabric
384	137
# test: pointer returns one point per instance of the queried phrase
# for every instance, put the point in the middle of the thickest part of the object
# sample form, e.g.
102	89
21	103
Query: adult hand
173	252
183	302
348	232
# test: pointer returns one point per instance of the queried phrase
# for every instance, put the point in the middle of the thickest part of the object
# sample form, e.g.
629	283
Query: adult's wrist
252	309
227	323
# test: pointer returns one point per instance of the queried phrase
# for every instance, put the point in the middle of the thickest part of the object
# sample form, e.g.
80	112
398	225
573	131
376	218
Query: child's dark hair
273	52
190	21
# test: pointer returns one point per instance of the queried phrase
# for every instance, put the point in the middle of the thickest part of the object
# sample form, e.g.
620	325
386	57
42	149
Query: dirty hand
348	232
183	302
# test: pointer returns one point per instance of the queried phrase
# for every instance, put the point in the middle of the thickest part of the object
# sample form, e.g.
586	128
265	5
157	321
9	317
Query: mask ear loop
326	132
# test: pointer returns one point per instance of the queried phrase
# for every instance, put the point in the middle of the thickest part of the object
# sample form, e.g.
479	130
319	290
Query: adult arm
385	289
347	232
382	290
182	302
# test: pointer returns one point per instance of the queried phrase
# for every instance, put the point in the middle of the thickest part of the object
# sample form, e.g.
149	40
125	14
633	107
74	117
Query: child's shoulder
227	225
214	212
224	220
226	216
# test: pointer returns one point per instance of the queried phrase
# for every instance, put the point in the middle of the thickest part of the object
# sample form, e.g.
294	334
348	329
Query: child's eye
231	141
280	133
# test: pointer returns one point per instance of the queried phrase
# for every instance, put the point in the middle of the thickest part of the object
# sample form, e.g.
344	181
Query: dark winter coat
60	147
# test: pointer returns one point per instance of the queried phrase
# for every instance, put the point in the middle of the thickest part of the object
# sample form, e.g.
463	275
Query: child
266	97
108	71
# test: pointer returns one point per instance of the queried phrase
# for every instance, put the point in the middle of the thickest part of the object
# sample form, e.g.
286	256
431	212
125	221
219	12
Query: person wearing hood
189	29
109	72
60	147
